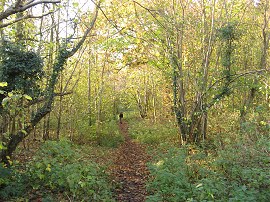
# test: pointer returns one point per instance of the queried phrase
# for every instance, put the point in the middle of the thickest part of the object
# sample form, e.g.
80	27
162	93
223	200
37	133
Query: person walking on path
121	116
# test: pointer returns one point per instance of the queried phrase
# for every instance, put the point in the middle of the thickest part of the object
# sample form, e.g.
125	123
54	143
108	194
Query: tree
64	53
199	40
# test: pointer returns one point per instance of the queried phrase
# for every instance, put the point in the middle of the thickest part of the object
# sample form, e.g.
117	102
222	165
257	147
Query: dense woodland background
191	77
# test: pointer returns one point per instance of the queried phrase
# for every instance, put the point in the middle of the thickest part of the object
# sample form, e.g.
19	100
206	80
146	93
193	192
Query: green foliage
11	183
13	105
171	180
63	168
109	135
20	68
149	133
106	134
228	36
60	166
227	32
256	123
4	174
238	173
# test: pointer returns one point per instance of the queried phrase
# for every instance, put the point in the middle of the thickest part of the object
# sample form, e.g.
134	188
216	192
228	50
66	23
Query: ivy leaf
2	146
5	101
27	97
3	84
16	96
48	168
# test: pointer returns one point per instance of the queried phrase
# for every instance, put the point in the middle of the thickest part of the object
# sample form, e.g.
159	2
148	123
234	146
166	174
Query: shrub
240	172
11	183
60	168
171	181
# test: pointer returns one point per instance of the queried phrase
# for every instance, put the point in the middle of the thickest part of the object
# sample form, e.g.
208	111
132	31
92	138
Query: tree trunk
154	102
60	109
99	103
89	98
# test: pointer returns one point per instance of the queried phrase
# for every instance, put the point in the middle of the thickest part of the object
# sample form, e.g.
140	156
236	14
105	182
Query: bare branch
24	18
76	48
234	78
151	13
237	75
30	1
18	8
73	71
33	3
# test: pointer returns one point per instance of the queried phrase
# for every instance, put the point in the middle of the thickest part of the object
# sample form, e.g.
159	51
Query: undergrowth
107	135
154	133
58	170
239	172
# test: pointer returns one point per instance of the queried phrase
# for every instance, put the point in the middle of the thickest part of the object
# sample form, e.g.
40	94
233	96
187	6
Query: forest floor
130	170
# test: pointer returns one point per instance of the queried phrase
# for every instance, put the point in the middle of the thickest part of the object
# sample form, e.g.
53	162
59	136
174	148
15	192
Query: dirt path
130	169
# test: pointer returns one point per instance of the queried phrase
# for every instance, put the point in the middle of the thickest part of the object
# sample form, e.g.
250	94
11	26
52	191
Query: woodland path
130	170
